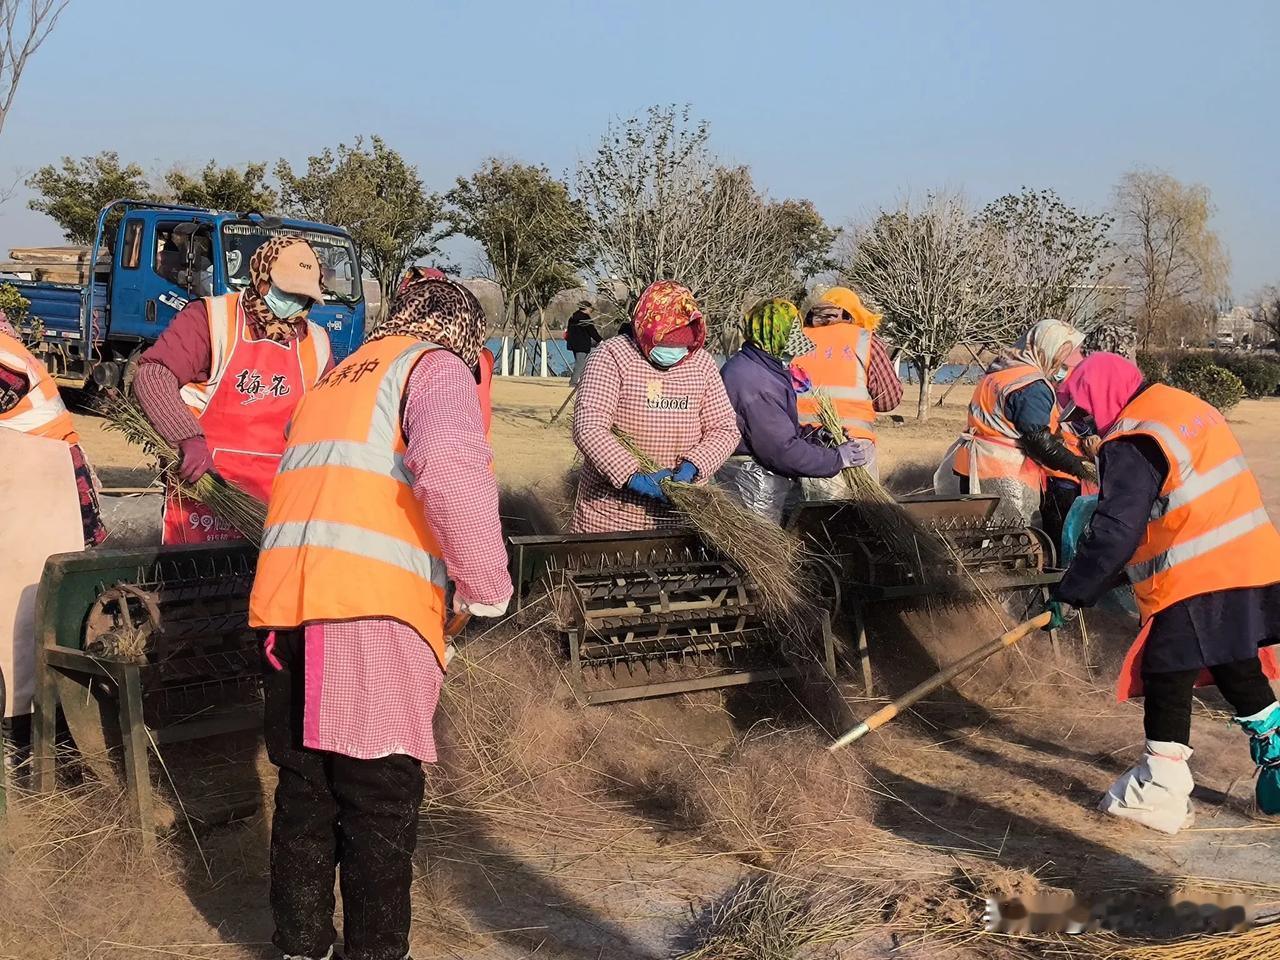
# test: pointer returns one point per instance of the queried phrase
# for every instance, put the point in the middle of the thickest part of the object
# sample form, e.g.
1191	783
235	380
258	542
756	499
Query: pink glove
194	458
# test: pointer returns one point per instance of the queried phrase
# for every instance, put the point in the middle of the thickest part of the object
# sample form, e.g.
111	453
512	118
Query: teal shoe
1264	746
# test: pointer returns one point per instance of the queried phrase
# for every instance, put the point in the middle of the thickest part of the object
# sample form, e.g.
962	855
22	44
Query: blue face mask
1061	375
285	305
668	356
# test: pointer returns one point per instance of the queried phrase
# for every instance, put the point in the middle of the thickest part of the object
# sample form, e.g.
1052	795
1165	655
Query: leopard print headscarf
255	308
438	311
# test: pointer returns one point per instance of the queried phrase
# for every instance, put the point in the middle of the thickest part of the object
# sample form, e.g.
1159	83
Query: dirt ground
613	832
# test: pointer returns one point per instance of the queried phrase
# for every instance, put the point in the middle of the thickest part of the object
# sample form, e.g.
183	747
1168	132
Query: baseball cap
297	270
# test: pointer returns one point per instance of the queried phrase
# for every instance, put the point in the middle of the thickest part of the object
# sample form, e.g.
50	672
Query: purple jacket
759	388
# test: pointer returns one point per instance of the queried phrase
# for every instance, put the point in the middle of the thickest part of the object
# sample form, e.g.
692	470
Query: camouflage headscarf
260	264
437	311
774	325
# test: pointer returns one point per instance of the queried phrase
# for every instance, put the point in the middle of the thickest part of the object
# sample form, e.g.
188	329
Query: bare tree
24	25
658	206
1266	312
939	275
531	233
1176	263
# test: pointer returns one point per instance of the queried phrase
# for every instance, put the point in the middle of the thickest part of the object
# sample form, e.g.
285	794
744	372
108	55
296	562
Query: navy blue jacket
759	387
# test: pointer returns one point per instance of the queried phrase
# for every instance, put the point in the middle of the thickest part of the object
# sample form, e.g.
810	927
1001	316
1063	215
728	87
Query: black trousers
1056	503
1167	697
359	817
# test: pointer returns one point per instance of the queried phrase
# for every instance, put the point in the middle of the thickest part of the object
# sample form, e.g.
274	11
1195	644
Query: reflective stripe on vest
988	447
223	313
1208	529
842	377
40	412
345	536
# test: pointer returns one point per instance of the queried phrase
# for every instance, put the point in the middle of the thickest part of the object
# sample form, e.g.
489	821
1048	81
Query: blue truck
156	258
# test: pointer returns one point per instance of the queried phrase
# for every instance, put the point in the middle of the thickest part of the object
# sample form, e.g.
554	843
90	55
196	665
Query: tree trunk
925	369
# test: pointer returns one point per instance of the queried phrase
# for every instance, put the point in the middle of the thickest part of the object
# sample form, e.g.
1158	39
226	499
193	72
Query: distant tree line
654	201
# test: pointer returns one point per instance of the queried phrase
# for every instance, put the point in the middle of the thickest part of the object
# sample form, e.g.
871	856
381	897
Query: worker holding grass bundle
661	391
222	382
849	364
1181	514
385	489
1013	431
775	451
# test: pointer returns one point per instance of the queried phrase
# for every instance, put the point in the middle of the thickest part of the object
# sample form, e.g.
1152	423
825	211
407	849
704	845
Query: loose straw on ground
228	502
770	556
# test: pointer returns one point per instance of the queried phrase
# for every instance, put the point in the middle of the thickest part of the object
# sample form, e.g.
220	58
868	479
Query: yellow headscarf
850	303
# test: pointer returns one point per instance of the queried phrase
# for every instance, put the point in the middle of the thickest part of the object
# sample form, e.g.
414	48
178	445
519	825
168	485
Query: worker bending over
385	488
775	452
31	404
1181	514
659	388
850	364
1013	429
221	383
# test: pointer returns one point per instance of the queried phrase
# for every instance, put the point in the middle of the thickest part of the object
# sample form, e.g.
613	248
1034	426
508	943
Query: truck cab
159	258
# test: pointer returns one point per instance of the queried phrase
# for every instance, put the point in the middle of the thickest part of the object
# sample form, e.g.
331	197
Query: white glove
461	605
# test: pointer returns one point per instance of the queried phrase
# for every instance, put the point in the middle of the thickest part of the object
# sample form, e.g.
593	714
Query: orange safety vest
989	446
1208	530
41	412
485	387
838	366
345	538
224	331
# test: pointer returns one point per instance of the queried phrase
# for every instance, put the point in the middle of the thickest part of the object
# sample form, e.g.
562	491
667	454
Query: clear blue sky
850	104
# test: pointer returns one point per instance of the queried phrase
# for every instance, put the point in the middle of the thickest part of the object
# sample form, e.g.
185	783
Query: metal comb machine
151	646
982	551
654	613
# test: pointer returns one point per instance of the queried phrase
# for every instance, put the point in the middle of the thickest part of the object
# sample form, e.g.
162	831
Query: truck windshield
340	275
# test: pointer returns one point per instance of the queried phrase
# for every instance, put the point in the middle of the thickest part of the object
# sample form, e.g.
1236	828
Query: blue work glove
685	472
649	484
1060	614
855	453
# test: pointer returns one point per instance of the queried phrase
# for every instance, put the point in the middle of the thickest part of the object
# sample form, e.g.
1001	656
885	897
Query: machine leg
44	728
1053	634
828	645
575	665
133	733
864	651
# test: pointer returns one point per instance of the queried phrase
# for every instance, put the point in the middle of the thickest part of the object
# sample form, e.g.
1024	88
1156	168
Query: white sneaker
1157	792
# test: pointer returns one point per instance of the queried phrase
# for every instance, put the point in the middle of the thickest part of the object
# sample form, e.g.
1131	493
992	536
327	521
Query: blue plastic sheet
1073	528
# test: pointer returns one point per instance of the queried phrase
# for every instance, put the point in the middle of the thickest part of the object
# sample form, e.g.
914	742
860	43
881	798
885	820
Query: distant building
1235	328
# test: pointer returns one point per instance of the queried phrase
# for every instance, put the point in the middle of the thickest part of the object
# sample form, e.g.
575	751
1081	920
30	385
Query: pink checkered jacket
678	414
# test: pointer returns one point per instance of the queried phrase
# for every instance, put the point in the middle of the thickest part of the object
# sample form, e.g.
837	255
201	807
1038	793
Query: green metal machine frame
76	681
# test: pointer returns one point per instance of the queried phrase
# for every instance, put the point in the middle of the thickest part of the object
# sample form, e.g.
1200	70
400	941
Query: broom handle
922	690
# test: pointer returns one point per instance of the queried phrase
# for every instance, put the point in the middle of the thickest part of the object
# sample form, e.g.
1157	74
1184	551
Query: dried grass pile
74	882
772	917
1260	943
771	557
228	502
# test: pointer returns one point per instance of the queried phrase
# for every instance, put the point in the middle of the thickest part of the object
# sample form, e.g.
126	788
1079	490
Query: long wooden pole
922	690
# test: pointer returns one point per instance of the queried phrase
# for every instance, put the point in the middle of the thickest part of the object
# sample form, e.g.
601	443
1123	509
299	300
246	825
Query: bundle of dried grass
1260	943
228	502
771	557
909	541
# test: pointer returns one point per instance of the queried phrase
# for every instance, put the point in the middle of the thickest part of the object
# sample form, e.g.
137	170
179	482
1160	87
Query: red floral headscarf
667	315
